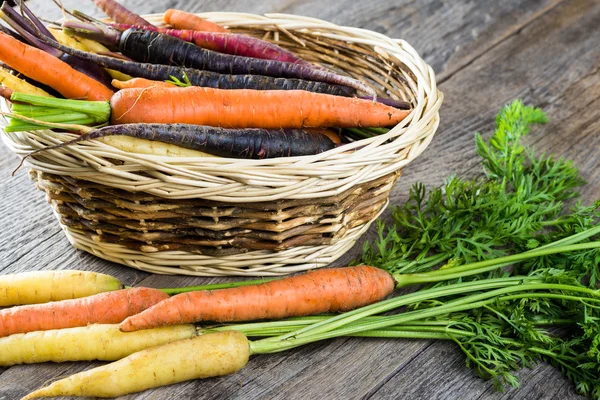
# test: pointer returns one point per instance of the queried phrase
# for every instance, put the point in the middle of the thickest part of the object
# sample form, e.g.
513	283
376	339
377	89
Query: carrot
92	342
5	92
333	136
45	286
20	85
228	43
104	308
44	68
157	48
209	355
204	78
140	83
248	108
184	20
31	28
119	13
237	143
319	291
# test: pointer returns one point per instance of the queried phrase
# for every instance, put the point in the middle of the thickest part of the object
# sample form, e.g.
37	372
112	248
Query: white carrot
44	286
209	355
93	342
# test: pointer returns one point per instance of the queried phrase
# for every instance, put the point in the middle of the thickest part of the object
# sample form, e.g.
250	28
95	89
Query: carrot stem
444	274
98	110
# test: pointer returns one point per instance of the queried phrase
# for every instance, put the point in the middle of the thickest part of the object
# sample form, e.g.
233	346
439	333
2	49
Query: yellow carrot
93	342
209	355
19	85
44	286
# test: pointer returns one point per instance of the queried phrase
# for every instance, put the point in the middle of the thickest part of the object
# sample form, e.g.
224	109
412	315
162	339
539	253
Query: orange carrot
140	83
49	70
319	291
335	138
103	308
184	20
146	83
243	108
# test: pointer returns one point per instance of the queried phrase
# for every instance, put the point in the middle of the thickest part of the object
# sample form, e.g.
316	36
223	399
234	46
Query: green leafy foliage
517	205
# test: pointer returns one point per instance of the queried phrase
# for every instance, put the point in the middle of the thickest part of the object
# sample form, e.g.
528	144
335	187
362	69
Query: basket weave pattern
221	216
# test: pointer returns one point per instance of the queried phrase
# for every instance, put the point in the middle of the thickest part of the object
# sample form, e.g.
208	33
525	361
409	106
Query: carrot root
248	108
106	308
92	342
184	20
319	291
44	286
210	355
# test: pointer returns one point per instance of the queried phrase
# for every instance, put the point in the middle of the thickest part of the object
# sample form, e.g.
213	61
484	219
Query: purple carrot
157	48
228	43
196	77
253	143
11	33
31	29
120	14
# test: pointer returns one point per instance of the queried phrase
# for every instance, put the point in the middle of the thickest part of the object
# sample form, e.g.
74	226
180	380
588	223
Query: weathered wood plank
440	373
555	66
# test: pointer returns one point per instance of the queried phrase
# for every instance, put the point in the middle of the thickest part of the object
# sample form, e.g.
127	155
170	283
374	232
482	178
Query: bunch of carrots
195	85
152	340
76	315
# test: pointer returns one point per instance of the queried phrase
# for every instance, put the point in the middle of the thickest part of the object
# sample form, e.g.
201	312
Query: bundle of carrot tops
194	84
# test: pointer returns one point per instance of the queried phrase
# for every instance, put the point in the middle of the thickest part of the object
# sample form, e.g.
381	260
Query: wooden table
485	53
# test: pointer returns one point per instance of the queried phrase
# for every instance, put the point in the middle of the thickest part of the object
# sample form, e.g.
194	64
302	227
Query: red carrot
272	109
120	14
184	20
228	43
105	308
319	291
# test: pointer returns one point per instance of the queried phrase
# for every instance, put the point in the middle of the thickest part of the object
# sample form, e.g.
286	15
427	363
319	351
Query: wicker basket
220	216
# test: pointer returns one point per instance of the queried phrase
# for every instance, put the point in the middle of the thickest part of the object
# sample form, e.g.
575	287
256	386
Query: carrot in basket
44	68
204	78
44	286
157	48
248	108
104	308
253	143
140	83
319	291
119	13
184	20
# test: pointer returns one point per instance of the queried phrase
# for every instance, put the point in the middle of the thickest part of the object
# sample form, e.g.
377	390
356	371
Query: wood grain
485	54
